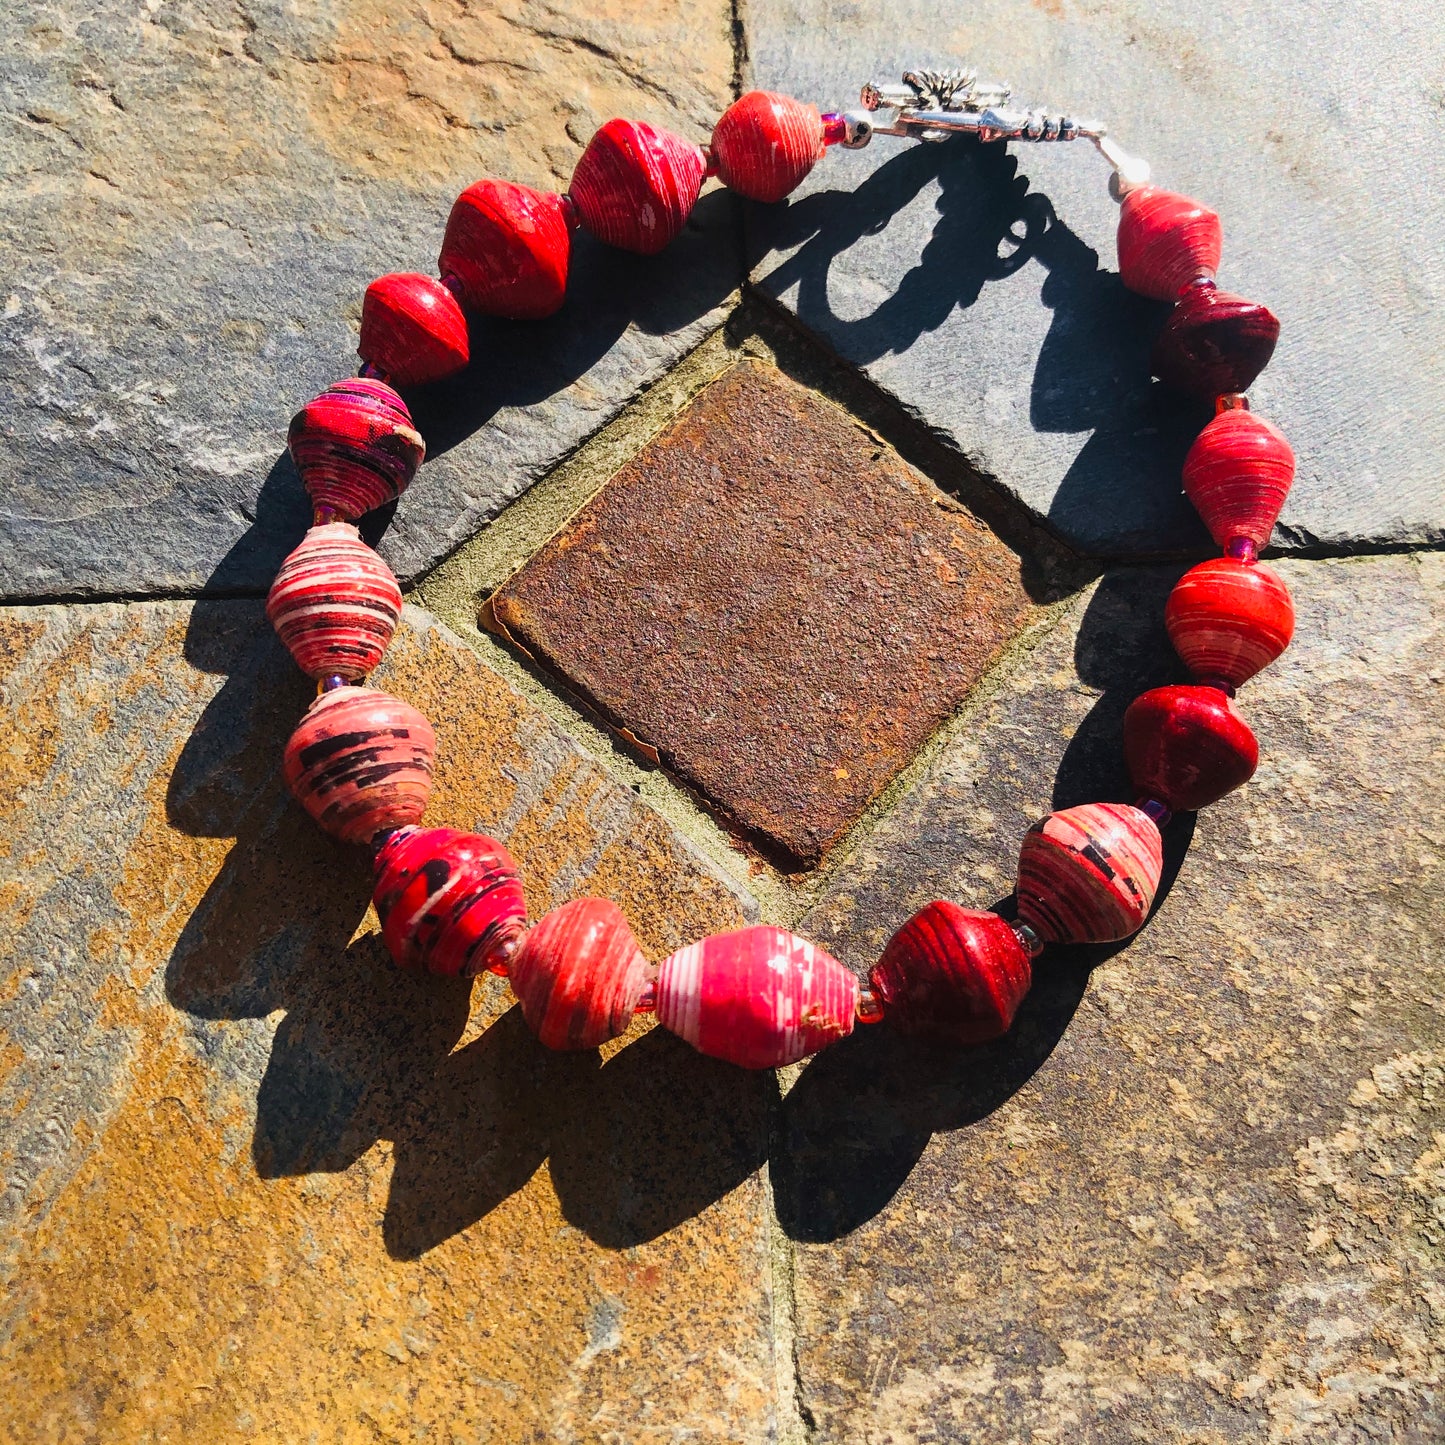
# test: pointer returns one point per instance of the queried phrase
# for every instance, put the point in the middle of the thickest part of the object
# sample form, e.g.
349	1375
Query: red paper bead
412	329
1237	474
764	144
449	902
1089	874
334	603
635	185
1214	343
953	974
1187	746
360	762
507	248
355	447
760	997
1165	242
579	975
1229	619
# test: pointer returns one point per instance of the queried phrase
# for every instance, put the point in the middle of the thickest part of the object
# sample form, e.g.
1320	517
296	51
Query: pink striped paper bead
334	603
1089	874
760	997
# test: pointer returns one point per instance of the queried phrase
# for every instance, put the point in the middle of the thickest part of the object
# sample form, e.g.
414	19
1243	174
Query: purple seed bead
1160	812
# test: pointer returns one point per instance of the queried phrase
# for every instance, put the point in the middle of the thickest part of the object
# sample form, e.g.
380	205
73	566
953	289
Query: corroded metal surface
775	602
258	1183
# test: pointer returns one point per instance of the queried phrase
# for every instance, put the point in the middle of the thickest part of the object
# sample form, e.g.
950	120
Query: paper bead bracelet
360	761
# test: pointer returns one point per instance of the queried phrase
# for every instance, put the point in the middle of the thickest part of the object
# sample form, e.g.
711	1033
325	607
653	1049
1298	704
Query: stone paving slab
772	600
192	201
1198	1193
979	289
260	1185
256	1184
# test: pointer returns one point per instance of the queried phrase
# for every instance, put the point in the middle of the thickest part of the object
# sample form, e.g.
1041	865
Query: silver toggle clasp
931	105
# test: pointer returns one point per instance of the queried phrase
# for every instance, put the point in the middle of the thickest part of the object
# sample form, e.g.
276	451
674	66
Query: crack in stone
740	48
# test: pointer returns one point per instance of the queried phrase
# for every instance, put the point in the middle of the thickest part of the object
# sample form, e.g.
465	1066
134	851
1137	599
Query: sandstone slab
978	288
770	598
192	201
258	1184
1197	1193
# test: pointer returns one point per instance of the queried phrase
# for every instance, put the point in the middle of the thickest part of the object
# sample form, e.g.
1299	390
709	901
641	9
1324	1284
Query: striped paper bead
1237	474
765	144
334	603
1166	241
579	974
449	902
360	762
635	185
355	447
1229	619
953	974
1089	874
761	997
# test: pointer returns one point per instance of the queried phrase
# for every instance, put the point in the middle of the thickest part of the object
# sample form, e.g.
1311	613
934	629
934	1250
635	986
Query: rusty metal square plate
775	602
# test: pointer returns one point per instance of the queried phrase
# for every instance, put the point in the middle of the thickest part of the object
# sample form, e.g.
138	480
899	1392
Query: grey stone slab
1197	1193
193	200
979	288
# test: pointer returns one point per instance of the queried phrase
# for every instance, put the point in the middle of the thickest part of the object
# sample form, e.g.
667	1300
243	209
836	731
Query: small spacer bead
1160	812
869	1008
1218	683
329	683
1231	401
373	371
709	162
835	128
499	959
1132	175
1119	187
647	1004
325	516
452	285
569	212
1029	941
1242	549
